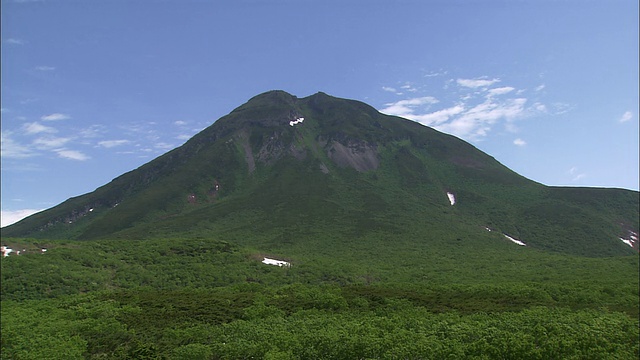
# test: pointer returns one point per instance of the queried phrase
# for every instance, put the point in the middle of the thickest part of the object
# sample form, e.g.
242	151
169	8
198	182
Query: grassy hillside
164	262
346	170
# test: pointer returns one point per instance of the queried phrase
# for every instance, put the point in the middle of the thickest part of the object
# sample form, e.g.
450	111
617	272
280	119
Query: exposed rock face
356	154
248	153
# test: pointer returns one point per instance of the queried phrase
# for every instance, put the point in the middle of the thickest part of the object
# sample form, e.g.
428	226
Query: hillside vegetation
404	243
196	298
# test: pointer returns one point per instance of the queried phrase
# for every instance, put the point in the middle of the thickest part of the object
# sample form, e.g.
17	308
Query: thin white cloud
539	87
519	142
72	155
180	123
45	68
501	90
476	83
474	115
37	128
559	108
183	137
55	117
628	115
389	89
10	149
92	131
112	143
576	175
8	217
407	107
14	41
45	143
436	73
539	107
163	146
438	117
408	87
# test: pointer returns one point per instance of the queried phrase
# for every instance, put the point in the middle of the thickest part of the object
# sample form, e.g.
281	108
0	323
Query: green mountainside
345	170
400	242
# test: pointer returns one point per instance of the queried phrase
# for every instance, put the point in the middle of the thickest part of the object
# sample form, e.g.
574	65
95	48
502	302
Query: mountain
323	172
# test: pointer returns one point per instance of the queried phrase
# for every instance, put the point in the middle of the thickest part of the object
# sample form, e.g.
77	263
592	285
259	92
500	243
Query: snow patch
452	198
275	262
515	240
5	251
632	239
628	242
296	121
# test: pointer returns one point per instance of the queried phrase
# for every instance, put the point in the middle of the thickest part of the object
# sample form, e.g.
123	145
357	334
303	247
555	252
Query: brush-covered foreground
203	298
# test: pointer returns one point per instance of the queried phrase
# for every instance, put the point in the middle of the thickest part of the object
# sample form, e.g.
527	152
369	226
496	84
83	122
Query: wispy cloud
478	109
112	143
408	87
55	117
180	123
11	149
519	142
576	175
476	83
92	131
407	107
14	41
436	73
628	115
48	142
37	128
163	146
501	90
437	117
389	89
45	68
72	154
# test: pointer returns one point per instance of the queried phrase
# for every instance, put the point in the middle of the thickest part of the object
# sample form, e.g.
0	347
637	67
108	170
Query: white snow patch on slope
452	198
296	121
6	251
275	262
633	237
628	242
515	240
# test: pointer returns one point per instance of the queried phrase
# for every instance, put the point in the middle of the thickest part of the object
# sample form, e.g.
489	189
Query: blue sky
93	89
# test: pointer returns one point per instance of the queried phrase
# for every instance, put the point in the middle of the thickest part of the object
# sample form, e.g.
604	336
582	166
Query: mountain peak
338	167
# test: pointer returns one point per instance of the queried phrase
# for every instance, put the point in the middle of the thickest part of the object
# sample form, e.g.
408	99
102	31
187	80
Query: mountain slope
282	172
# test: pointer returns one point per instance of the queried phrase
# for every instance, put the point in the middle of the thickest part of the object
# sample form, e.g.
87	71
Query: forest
211	299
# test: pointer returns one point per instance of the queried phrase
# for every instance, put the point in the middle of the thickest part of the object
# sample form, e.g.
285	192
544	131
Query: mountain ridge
344	169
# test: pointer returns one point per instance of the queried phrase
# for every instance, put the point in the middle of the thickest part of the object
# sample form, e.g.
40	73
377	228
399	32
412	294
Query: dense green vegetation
208	299
251	168
164	262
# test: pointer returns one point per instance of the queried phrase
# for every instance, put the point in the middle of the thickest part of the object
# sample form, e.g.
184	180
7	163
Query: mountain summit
285	171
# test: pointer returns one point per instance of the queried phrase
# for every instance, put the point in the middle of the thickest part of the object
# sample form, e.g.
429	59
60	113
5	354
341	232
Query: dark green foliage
346	171
164	262
181	298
